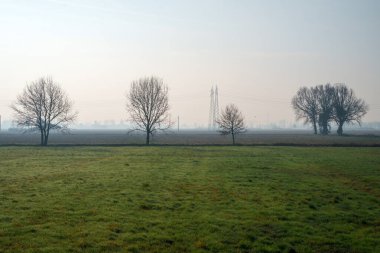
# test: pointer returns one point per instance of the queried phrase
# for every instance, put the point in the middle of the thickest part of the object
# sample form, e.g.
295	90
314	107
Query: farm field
189	199
196	137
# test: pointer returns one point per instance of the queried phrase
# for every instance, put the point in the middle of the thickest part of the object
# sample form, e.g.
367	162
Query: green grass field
189	199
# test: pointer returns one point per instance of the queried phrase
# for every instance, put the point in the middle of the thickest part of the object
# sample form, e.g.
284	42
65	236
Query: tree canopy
328	103
231	121
43	106
148	105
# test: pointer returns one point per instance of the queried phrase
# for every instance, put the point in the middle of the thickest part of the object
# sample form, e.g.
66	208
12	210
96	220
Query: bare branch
347	107
148	106
305	104
324	103
231	121
43	106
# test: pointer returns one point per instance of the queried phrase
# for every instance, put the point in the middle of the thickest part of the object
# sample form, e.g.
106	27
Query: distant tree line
322	105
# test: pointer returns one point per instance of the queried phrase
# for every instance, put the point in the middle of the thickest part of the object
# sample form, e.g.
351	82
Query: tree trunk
42	138
325	128
46	139
47	132
233	139
147	137
340	129
315	127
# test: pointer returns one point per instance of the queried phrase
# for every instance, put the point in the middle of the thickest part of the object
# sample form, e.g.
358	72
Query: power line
253	99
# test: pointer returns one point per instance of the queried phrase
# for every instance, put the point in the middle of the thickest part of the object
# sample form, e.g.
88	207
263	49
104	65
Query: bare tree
148	106
325	95
347	107
43	106
231	121
305	104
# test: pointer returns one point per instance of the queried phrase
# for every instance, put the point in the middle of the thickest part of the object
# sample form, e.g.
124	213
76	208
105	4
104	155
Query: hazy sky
257	52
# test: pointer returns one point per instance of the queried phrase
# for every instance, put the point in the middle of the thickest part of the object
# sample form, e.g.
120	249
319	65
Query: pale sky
257	52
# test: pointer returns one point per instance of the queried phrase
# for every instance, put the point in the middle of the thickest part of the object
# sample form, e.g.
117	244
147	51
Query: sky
258	53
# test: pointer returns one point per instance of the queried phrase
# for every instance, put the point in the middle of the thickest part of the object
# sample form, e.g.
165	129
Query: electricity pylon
214	109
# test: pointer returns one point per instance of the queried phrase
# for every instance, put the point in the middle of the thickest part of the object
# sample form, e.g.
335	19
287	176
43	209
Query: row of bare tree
323	104
44	106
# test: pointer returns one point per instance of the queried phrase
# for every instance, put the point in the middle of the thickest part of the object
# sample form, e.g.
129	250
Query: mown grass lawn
189	199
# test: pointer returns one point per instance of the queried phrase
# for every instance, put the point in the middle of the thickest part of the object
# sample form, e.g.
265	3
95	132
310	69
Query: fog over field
196	137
